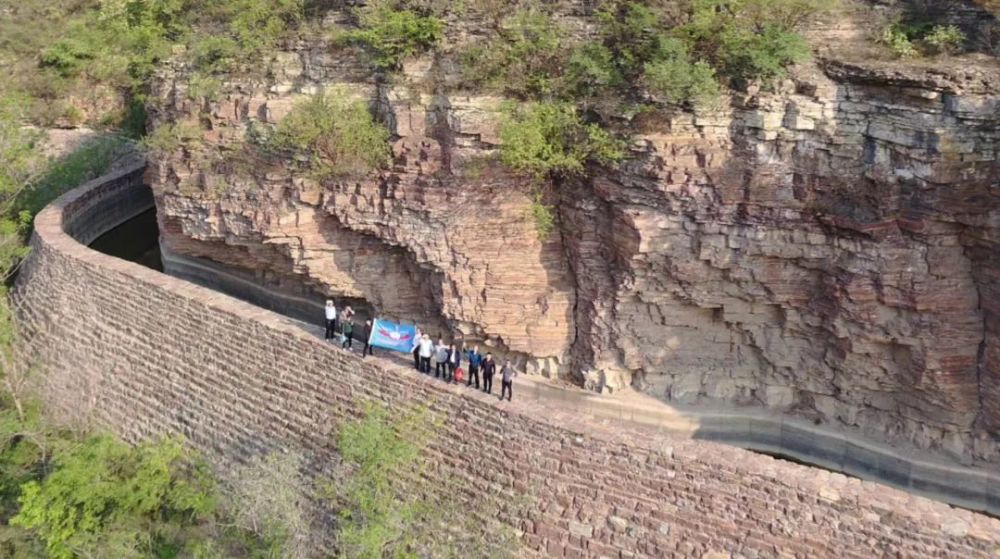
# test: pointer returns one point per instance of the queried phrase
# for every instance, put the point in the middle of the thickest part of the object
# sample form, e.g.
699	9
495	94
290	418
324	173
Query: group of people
447	359
345	320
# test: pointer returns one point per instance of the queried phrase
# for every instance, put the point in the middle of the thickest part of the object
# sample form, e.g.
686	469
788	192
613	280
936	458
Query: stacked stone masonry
145	354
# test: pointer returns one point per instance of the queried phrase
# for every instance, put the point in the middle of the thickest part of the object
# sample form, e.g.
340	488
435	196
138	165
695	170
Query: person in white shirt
426	351
331	319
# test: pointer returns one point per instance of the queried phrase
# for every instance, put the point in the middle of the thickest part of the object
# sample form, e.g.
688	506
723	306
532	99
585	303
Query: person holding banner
366	332
389	335
416	349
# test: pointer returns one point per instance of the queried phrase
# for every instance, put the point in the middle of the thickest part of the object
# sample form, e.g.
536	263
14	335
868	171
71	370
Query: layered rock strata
828	249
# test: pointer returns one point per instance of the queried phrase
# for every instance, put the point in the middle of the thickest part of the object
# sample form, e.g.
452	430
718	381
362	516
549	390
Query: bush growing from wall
545	139
386	508
915	39
525	59
675	79
172	136
334	134
391	35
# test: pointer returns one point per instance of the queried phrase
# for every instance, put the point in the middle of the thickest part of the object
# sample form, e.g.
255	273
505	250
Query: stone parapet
144	354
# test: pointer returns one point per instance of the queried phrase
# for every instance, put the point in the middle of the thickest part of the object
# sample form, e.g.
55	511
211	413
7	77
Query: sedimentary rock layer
828	249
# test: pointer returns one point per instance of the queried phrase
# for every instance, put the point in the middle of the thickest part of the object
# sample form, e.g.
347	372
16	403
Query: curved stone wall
144	353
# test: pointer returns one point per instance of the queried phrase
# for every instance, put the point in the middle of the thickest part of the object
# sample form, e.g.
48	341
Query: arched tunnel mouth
137	240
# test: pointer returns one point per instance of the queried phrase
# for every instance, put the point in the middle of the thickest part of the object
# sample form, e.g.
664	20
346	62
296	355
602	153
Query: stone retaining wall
145	353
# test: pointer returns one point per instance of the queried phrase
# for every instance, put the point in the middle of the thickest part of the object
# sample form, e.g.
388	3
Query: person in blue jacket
475	359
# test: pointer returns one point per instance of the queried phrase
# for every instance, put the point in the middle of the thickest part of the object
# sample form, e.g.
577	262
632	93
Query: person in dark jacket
416	349
348	333
454	362
507	374
367	333
475	359
489	368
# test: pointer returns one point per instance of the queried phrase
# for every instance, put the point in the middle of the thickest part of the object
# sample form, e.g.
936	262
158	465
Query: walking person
347	334
489	368
330	312
454	361
426	351
440	359
475	359
507	374
367	333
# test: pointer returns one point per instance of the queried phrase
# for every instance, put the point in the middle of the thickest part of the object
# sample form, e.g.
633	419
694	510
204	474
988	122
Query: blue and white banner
389	335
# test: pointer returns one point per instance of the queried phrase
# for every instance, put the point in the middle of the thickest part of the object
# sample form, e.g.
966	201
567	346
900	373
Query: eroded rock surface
829	249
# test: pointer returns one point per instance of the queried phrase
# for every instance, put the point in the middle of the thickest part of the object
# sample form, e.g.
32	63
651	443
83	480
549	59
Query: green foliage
548	138
334	134
632	32
390	35
20	165
172	136
591	69
525	58
265	500
945	39
897	41
105	498
750	39
542	215
89	161
117	44
377	520
389	506
908	40
675	79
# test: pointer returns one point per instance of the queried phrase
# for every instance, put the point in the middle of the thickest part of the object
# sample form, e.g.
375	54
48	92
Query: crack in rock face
829	249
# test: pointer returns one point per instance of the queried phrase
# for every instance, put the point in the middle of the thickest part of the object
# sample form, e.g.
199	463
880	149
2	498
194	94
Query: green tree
107	499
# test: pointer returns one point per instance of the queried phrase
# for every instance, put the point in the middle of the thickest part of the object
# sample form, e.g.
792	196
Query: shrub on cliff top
390	35
334	134
548	138
750	39
524	59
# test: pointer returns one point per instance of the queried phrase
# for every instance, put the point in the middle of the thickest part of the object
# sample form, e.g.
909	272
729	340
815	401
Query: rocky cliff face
829	249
